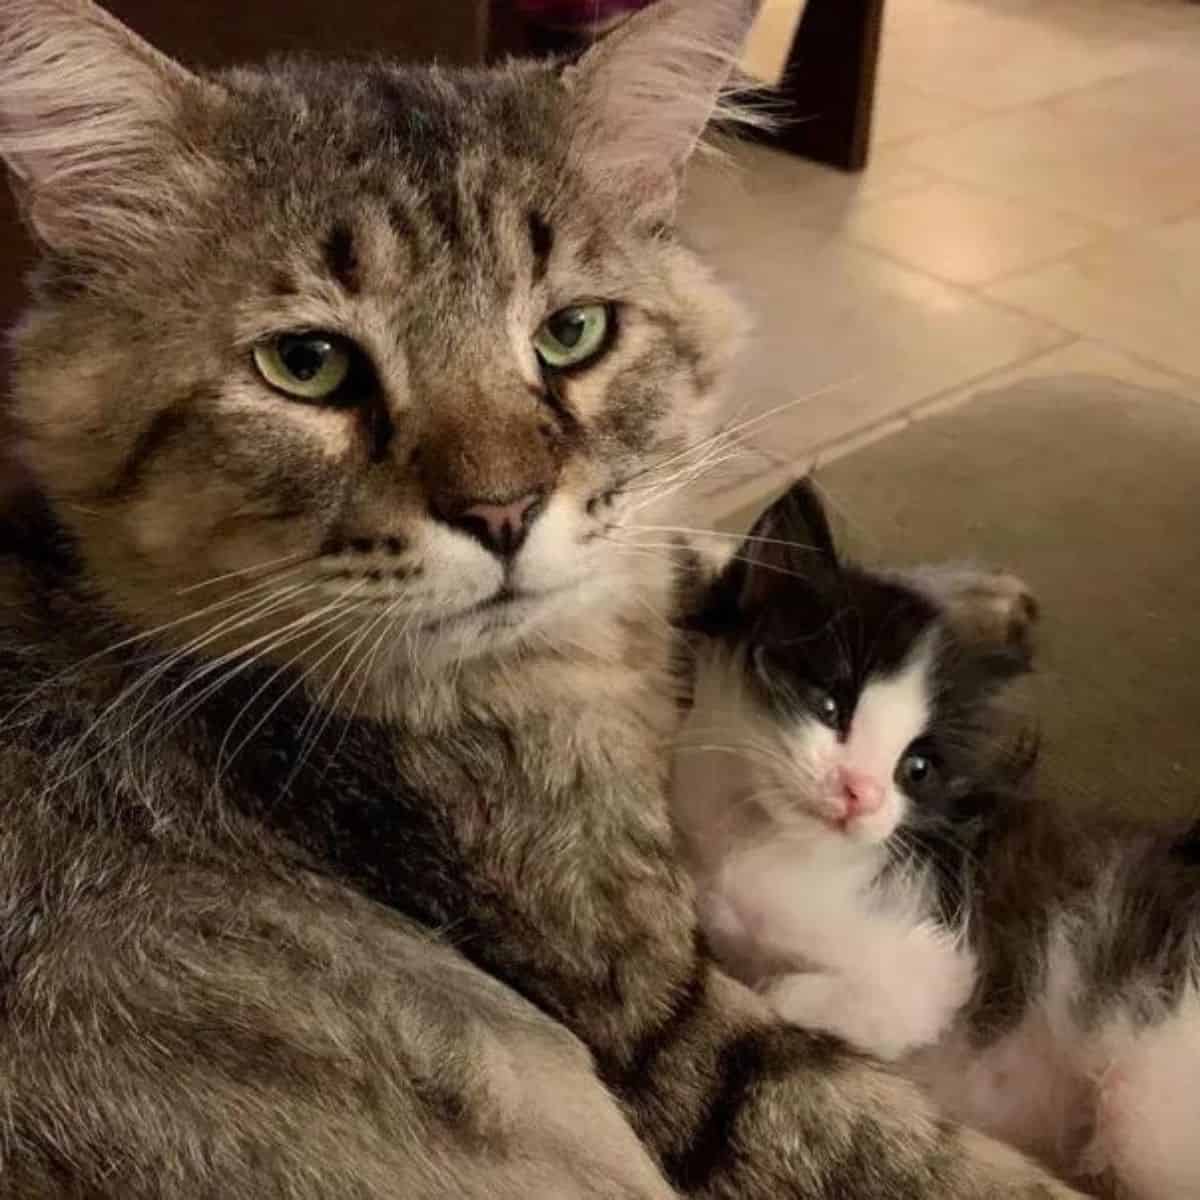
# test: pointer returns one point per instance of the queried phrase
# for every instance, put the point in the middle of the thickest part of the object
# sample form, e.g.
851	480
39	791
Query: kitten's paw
832	1004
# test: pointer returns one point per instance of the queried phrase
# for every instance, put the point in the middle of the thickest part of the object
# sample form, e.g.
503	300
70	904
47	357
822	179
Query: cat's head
321	346
865	701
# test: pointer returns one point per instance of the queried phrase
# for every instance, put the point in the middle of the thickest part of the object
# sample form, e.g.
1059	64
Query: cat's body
890	876
338	695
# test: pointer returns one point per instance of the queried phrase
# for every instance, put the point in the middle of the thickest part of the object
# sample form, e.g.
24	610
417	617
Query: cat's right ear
641	98
789	549
88	115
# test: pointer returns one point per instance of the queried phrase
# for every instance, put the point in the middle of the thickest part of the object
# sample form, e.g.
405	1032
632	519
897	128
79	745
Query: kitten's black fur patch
811	625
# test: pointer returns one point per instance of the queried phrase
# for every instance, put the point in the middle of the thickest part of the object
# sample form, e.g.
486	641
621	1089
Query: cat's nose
862	792
502	528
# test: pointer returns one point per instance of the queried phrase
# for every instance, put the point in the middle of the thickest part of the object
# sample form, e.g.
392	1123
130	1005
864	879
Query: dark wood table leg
827	96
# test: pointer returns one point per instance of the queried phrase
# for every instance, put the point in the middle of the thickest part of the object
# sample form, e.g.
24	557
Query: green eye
573	335
309	366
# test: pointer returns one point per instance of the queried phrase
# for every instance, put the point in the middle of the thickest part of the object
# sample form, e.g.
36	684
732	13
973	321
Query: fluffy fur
1039	980
329	834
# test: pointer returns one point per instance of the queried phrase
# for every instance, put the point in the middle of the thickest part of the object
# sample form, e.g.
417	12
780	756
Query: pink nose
863	794
501	527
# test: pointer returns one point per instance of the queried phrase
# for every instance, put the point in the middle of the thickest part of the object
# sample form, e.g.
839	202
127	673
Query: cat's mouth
504	606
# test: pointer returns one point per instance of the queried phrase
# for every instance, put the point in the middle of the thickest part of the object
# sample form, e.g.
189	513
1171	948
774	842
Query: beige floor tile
904	112
1003	55
1082	357
1072	163
1159	106
846	338
1140	293
967	236
770	187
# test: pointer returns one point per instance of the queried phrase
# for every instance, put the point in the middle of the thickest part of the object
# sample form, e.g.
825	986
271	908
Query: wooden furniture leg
827	96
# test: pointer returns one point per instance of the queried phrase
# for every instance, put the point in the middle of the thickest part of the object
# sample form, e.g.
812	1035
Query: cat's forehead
441	195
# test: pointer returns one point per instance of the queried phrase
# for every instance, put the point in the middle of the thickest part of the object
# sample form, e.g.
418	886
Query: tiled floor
1032	207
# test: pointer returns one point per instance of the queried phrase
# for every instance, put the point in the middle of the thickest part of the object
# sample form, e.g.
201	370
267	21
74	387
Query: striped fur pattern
1037	975
334	853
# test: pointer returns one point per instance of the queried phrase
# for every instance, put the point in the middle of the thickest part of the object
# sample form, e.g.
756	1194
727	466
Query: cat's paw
994	1169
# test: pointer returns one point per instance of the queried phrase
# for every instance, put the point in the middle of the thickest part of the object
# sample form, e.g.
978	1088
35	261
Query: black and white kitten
855	797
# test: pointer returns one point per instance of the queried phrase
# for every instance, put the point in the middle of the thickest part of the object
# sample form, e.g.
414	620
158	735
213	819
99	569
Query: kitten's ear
643	95
86	113
789	548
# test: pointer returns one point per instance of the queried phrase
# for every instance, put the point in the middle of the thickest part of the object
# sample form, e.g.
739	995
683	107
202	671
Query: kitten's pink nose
862	792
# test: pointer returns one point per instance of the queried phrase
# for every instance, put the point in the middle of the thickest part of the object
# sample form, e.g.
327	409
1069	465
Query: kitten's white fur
794	904
789	883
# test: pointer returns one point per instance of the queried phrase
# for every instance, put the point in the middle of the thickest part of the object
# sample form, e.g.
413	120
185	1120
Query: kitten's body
1038	977
319	648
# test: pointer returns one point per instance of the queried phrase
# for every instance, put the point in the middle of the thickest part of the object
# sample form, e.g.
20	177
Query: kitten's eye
914	770
573	335
309	366
828	710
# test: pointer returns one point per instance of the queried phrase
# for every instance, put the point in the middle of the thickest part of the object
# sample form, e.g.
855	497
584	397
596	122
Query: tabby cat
858	801
337	692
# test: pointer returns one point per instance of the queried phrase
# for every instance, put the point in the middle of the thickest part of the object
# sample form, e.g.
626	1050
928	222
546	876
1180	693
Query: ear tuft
643	96
86	111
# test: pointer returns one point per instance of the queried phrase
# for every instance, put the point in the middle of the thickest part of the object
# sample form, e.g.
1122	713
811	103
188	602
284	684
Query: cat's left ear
88	125
642	97
789	549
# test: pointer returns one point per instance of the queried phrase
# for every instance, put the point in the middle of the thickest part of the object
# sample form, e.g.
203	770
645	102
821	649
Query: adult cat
337	383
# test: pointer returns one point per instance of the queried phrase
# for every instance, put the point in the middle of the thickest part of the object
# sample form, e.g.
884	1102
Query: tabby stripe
163	429
710	1149
541	238
748	1062
687	1004
341	258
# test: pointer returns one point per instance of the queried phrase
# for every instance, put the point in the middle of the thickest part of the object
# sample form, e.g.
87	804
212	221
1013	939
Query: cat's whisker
717	533
661	489
338	609
356	639
147	636
261	608
255	569
220	672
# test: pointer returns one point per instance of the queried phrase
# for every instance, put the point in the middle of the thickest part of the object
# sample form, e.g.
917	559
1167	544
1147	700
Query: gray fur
308	892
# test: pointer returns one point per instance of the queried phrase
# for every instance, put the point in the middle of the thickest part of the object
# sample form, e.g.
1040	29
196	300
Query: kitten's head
865	701
364	344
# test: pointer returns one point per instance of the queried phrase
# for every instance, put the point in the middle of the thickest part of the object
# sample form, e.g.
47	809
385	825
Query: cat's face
862	707
358	347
